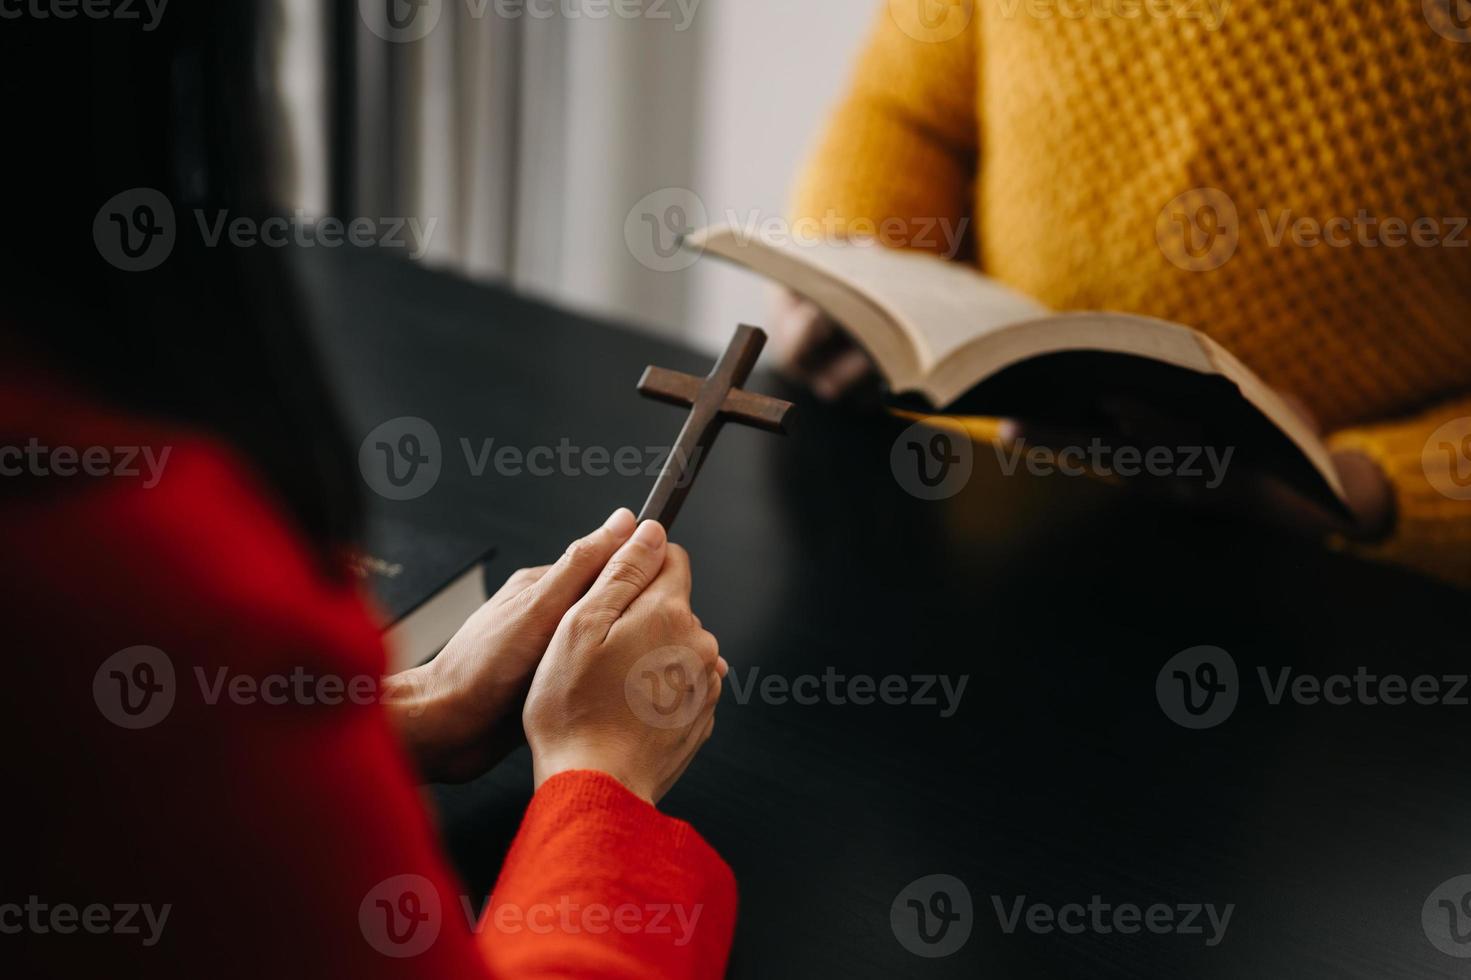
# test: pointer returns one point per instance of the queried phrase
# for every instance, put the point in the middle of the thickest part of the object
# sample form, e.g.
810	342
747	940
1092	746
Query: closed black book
425	583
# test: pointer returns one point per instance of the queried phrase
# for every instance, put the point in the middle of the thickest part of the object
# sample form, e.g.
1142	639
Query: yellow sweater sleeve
905	148
898	159
1427	458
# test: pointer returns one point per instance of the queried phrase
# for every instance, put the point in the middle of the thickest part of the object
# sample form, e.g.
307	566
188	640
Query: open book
962	342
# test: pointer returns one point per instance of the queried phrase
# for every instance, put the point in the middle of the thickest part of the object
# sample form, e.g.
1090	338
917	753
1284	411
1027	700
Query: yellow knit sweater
1290	176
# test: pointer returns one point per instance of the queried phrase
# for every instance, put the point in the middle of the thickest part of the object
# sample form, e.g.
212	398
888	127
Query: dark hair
213	337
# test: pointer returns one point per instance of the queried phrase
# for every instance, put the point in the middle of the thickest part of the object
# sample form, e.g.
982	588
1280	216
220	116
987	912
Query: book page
940	328
938	305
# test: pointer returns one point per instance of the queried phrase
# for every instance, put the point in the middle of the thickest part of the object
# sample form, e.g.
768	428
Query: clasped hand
558	658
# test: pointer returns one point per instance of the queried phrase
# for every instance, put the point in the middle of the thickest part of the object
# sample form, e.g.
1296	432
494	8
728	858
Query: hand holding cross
712	401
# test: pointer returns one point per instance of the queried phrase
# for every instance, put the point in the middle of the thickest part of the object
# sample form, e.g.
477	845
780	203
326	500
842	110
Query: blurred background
542	137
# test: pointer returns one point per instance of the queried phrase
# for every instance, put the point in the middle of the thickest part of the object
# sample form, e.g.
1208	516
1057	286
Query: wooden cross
713	401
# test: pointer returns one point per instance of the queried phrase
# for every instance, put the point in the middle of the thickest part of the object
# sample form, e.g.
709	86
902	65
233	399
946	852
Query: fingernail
650	534
721	666
620	522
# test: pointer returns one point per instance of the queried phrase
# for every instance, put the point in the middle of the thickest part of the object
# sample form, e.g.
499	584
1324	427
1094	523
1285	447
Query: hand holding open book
940	333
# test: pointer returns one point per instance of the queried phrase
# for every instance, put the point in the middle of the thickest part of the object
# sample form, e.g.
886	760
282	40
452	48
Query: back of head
118	129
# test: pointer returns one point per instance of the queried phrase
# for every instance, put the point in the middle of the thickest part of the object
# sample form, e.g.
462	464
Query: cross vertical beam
713	401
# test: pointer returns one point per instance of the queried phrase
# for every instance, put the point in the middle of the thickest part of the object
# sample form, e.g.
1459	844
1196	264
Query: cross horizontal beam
748	408
713	401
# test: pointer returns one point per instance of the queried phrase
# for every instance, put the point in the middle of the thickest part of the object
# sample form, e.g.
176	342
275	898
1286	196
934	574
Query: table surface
1059	778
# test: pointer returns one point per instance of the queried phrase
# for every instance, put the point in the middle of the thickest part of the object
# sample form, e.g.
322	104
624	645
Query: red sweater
217	833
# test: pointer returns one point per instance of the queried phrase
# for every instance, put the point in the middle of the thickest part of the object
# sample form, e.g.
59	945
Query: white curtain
528	139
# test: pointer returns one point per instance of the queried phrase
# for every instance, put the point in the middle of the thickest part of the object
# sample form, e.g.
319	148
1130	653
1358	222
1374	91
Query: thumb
626	575
566	581
1301	408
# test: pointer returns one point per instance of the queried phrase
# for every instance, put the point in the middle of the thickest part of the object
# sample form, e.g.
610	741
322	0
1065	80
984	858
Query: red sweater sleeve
269	818
600	884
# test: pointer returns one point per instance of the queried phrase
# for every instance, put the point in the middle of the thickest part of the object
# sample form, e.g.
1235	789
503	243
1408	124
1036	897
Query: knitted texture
1293	179
660	899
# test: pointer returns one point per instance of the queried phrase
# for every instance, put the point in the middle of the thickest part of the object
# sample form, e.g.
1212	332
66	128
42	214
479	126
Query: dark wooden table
1060	777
